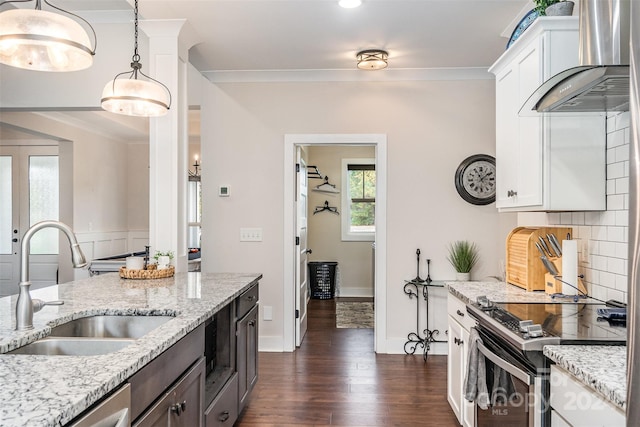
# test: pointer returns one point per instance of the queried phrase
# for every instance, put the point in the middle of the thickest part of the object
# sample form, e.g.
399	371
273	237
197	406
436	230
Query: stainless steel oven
515	385
511	337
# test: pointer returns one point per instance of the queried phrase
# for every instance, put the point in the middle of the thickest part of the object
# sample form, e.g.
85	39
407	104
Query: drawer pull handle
250	297
224	416
179	408
457	341
459	313
512	193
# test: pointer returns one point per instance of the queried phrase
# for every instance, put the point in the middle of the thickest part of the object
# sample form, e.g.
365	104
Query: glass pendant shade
43	41
349	4
133	97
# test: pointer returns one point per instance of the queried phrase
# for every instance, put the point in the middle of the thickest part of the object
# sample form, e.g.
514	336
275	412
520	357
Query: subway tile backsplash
603	236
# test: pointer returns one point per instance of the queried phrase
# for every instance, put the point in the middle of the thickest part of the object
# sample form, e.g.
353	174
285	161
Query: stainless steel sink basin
90	336
73	346
110	326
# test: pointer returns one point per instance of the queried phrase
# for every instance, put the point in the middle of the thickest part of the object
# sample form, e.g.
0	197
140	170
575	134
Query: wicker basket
150	273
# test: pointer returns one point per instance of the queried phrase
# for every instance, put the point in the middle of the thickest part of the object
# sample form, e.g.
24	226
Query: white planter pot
163	262
463	277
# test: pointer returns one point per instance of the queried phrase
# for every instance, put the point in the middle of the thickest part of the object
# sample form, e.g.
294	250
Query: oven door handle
511	369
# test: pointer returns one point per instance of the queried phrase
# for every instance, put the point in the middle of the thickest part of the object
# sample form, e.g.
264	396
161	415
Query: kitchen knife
549	266
551	247
540	249
544	246
555	244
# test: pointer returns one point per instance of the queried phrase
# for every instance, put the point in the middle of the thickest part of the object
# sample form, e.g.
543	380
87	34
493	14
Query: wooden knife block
524	267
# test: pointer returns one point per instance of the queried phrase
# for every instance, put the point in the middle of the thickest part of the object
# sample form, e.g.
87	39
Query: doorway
291	294
29	193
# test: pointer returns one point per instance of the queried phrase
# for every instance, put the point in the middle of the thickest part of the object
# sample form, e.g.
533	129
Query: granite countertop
496	292
52	390
585	363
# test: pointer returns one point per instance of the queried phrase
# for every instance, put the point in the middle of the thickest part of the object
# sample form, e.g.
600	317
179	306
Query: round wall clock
476	179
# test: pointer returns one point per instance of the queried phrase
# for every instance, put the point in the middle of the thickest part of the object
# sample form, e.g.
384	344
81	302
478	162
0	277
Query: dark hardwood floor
336	379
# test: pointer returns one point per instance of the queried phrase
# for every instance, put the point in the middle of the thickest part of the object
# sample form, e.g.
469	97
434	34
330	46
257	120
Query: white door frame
291	141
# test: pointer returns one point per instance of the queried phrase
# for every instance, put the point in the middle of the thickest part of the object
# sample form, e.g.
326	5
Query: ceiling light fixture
44	41
372	59
350	4
133	97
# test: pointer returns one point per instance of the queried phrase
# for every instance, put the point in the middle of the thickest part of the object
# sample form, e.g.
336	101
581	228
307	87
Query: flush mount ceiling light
372	59
350	4
44	41
133	97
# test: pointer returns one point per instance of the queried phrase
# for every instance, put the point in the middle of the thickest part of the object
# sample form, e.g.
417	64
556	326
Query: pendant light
35	39
133	97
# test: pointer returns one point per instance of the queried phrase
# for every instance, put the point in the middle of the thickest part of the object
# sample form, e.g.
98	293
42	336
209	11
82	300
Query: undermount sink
109	326
56	346
93	335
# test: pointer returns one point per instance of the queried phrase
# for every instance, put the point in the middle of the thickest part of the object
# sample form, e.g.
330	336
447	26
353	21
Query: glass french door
29	193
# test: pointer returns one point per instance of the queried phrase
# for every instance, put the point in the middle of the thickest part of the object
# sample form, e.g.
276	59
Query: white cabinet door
554	163
454	371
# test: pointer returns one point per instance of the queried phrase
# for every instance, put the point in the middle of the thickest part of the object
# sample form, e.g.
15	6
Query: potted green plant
554	7
463	256
163	259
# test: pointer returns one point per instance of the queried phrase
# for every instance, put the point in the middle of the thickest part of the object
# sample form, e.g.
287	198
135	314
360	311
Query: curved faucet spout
24	305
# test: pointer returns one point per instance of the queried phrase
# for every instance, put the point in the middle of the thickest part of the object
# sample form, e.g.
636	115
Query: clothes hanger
326	187
326	207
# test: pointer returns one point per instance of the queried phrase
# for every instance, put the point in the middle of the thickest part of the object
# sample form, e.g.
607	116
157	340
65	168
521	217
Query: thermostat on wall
223	191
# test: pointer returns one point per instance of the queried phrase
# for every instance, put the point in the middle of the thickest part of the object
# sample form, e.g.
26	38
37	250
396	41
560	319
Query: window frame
347	234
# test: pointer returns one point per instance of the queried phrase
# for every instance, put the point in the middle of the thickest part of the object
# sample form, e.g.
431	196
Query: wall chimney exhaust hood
601	82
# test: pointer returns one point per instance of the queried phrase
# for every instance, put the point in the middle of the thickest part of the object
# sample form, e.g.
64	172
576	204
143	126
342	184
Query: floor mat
354	314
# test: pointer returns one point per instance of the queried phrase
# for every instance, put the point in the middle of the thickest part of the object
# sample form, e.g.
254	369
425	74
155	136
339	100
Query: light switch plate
251	234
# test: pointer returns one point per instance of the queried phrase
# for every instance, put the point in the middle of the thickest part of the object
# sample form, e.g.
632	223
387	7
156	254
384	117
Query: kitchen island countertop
52	390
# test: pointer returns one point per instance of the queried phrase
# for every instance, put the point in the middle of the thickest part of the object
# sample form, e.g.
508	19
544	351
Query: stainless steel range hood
601	82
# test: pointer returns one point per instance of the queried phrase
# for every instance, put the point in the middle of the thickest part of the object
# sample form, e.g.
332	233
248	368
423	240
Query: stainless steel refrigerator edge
633	330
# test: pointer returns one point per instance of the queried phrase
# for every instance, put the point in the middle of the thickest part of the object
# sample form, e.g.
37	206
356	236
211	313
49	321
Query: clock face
476	179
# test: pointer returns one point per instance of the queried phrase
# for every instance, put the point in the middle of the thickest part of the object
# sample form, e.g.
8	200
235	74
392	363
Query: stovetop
530	326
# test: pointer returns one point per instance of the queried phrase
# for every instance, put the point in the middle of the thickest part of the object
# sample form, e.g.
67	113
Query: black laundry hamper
322	276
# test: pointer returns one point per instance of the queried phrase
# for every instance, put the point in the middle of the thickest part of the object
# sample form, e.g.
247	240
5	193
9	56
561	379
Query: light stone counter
496	292
52	390
602	368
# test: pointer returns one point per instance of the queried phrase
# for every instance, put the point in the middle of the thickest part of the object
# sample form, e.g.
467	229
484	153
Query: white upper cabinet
554	162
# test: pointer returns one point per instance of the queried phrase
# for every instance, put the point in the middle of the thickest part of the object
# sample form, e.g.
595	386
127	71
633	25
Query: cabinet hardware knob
224	416
459	313
250	297
252	323
179	408
14	240
457	341
512	193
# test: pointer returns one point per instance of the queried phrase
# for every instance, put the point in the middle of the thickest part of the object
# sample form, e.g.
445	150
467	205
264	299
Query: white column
168	140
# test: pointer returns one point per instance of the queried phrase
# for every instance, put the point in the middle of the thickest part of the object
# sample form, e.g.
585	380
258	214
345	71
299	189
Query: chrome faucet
25	307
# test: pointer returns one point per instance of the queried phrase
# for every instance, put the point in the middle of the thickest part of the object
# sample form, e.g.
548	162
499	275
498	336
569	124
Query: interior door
302	287
28	194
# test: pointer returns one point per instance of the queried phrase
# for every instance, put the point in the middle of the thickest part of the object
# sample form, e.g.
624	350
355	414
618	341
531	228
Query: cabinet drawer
224	409
246	301
457	309
579	405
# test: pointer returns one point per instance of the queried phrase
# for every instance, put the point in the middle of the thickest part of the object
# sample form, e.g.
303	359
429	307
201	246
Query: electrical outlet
267	313
251	234
585	251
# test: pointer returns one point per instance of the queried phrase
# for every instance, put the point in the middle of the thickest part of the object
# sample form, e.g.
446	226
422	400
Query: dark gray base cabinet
223	411
247	355
181	405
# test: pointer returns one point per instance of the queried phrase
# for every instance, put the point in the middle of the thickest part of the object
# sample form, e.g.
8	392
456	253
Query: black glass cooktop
571	322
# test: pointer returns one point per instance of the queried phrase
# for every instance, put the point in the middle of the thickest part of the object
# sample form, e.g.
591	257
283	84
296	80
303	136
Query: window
43	202
194	211
358	199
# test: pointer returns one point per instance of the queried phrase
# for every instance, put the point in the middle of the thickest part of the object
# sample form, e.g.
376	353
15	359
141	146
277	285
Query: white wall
355	261
431	126
603	236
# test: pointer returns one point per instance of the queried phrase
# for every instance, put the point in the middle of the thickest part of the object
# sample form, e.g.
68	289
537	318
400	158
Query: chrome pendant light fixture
132	96
372	59
35	39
